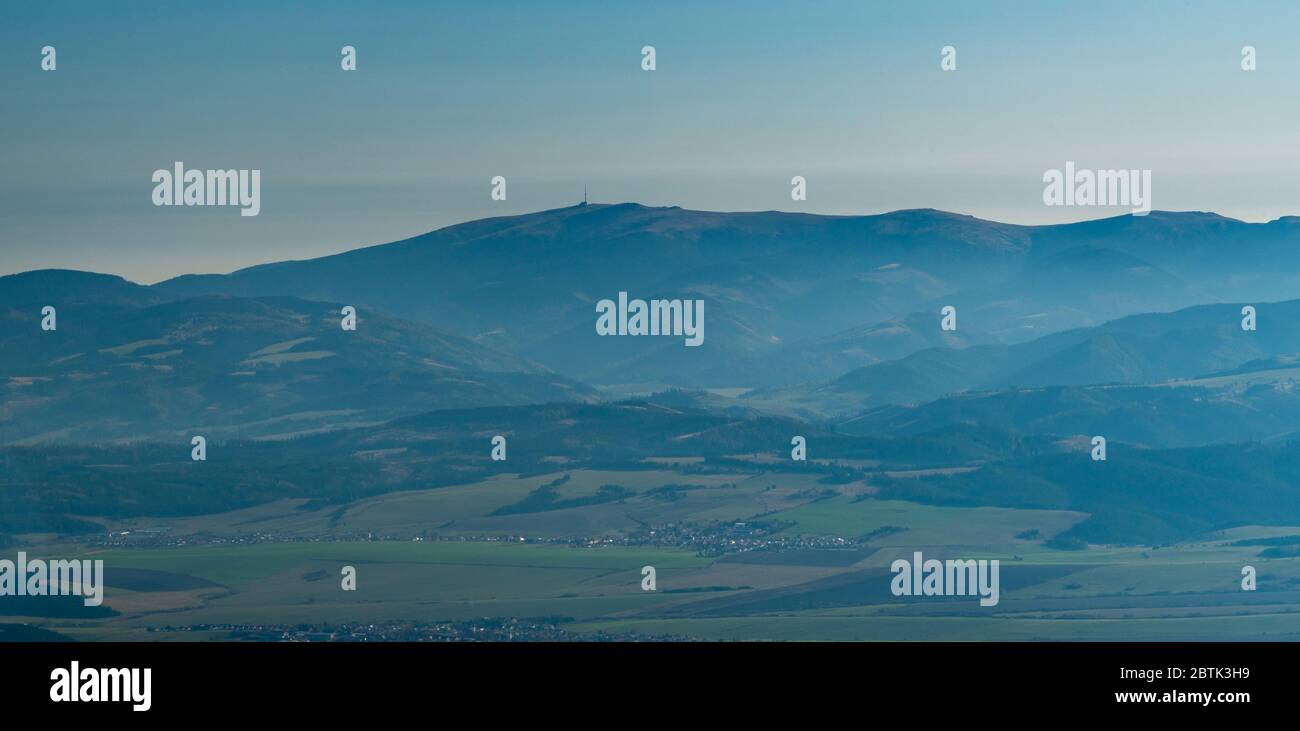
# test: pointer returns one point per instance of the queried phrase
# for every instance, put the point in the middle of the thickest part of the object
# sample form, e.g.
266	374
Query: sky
551	95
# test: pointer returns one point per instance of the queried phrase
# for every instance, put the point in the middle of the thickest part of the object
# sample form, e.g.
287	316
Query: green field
481	568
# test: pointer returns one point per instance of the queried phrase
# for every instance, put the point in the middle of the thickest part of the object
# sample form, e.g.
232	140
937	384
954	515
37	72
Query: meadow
441	558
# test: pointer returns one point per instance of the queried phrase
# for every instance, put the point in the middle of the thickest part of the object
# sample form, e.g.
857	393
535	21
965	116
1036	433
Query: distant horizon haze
446	96
143	274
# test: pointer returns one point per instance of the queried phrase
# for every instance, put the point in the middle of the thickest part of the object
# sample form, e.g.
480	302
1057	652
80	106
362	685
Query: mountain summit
778	283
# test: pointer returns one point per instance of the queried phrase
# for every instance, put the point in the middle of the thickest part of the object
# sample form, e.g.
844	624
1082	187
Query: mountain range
827	293
825	327
126	362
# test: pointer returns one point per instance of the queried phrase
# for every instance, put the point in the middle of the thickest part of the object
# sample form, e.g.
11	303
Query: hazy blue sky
552	96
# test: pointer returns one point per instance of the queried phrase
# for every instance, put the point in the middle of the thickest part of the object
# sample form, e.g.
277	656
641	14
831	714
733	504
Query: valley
432	557
492	467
